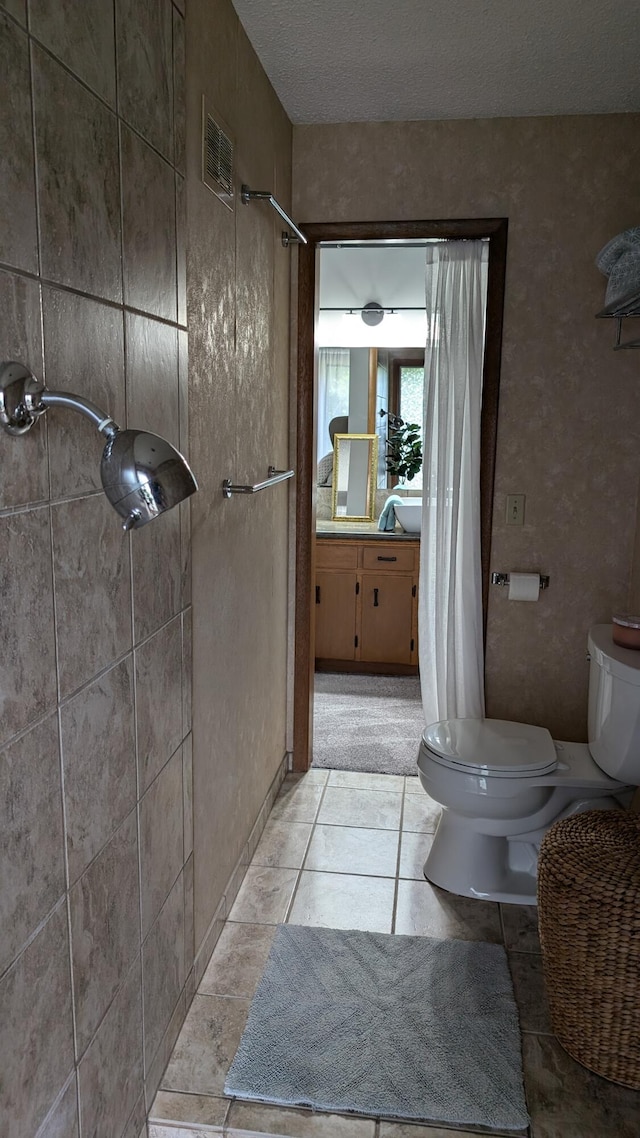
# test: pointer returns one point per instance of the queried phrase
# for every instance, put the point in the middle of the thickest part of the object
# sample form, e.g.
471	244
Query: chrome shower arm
23	399
142	474
105	424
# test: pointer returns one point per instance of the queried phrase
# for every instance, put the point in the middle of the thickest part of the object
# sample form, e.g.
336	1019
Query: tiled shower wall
96	925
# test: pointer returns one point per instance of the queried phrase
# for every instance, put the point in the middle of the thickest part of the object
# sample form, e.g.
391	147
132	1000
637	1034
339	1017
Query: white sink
409	514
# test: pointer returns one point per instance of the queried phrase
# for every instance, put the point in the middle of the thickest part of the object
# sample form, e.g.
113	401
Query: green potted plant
404	448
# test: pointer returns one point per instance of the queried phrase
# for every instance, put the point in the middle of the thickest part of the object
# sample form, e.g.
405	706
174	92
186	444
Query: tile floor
346	851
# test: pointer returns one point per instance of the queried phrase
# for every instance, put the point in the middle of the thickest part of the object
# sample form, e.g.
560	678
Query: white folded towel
387	519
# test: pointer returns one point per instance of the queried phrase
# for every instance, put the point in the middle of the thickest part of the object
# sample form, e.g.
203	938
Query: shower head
142	474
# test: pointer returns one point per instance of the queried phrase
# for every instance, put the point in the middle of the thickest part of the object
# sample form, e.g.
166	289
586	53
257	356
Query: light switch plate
515	509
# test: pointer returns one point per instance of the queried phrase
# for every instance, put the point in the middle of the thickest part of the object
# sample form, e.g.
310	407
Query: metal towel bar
275	476
248	195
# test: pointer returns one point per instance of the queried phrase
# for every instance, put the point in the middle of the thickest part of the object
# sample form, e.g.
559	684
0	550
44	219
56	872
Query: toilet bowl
502	784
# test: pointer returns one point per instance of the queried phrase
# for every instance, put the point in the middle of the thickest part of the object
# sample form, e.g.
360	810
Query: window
406	396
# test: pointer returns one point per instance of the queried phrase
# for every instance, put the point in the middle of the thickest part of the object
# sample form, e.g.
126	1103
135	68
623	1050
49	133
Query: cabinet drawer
336	555
387	558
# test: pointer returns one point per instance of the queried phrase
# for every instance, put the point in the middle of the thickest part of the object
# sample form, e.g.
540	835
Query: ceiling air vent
217	157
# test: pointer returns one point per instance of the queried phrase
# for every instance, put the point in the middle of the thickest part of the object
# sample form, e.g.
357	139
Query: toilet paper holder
503	579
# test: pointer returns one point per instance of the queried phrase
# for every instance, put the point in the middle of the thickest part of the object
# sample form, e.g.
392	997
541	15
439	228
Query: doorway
494	230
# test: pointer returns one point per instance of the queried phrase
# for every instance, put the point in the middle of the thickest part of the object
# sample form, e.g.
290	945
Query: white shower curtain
333	392
450	603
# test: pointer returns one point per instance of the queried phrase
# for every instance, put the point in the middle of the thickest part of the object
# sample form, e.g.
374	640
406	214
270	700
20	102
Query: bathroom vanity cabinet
366	610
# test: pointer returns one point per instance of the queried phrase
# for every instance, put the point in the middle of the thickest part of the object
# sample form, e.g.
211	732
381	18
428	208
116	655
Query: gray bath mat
392	1026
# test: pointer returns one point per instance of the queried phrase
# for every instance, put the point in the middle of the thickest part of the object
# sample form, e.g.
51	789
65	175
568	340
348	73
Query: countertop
355	531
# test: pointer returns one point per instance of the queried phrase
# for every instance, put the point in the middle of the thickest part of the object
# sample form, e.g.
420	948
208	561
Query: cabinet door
387	618
335	615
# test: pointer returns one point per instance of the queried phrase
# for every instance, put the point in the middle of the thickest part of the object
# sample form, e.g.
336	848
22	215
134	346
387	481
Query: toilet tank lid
621	662
493	745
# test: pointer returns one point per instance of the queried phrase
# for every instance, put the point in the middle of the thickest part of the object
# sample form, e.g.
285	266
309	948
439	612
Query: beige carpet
367	723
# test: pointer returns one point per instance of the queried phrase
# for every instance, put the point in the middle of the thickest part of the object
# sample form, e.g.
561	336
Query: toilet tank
614	706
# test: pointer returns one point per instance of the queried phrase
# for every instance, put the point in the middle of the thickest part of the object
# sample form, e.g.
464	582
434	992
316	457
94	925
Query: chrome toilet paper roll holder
503	579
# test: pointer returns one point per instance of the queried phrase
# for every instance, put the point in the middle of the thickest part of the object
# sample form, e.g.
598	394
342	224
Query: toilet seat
495	747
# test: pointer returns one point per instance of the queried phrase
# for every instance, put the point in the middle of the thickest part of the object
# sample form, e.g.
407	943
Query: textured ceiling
381	60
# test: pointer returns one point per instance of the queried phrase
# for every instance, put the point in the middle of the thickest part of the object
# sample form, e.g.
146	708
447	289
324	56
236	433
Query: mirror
355	459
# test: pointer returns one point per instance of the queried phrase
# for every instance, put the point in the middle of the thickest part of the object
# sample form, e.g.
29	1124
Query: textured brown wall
569	406
238	305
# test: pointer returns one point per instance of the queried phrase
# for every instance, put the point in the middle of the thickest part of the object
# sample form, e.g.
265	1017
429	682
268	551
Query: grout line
339	872
44	1128
502	928
4	743
61	900
300	871
104	103
29	507
399	855
59	286
34	150
65	854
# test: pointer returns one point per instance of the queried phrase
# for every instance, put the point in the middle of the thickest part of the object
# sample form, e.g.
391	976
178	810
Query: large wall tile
99	759
185	545
18	240
31	838
62	1122
163	1054
158	700
81	33
137	1126
152	377
161	839
79	188
149	221
36	1039
145	69
27	645
179	92
157	578
17	8
110	1073
181	248
163	969
91	365
92	587
187	669
187	795
105	928
189	948
23	459
183	389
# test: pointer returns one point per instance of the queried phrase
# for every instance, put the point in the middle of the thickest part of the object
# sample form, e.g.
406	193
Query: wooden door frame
495	229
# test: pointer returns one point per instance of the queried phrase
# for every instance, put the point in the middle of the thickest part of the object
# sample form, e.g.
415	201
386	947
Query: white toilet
502	784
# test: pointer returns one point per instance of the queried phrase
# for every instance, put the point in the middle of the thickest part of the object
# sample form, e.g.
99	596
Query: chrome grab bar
275	476
248	195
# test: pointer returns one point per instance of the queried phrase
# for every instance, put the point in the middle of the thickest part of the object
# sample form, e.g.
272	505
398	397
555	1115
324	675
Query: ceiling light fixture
372	313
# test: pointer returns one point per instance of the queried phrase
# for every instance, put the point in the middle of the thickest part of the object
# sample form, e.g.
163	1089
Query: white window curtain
450	605
333	392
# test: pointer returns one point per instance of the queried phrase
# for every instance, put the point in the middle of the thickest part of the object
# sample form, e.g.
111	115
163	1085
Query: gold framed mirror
355	459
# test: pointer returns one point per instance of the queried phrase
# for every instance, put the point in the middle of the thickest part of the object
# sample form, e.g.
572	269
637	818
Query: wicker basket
589	916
